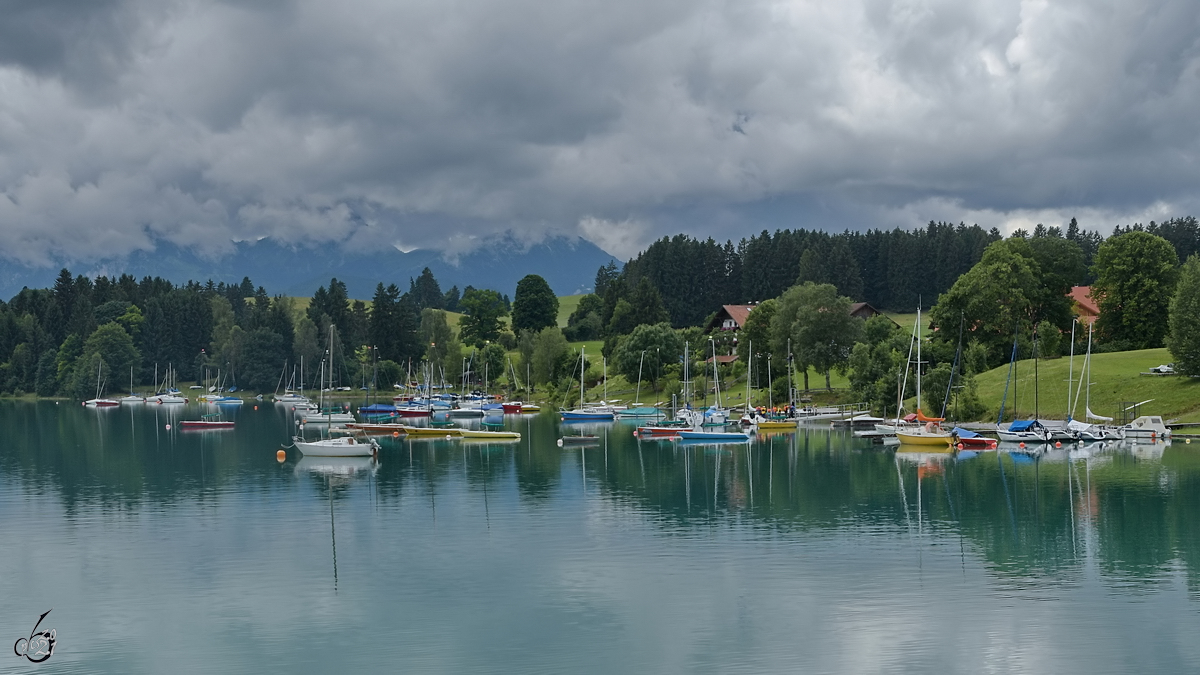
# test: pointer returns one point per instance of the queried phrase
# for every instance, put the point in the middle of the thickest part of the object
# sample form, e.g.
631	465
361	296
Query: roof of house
1082	295
738	312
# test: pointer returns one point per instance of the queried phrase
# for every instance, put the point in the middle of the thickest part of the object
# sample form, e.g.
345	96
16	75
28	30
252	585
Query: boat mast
582	362
770	393
918	358
716	375
1087	403
1036	408
637	397
749	362
1071	368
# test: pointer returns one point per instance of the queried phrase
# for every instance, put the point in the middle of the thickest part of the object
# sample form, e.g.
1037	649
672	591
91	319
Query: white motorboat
1147	428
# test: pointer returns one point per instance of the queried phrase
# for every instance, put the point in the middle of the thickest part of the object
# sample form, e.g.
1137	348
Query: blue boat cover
964	433
377	408
1022	425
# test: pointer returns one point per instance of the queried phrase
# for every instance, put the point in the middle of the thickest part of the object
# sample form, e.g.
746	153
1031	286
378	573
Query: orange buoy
959	446
395	434
1022	444
281	456
1058	444
256	407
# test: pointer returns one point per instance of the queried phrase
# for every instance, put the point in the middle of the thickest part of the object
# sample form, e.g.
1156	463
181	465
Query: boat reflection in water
342	467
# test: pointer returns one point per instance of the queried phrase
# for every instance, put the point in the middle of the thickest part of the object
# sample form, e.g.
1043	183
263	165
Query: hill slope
1116	384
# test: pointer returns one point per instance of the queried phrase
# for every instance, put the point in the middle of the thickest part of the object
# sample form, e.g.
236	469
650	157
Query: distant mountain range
568	264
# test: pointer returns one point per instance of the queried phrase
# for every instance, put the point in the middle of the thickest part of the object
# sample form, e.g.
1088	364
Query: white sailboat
98	402
583	412
131	398
931	434
327	415
341	446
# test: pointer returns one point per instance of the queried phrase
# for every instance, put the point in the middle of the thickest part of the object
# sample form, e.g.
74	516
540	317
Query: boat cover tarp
964	433
1022	425
922	418
377	408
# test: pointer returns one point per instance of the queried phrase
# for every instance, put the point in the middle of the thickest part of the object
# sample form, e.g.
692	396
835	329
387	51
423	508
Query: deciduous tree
483	309
535	306
1135	280
1184	338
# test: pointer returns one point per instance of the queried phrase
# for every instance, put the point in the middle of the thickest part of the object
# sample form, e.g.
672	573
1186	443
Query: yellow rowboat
495	435
433	432
774	425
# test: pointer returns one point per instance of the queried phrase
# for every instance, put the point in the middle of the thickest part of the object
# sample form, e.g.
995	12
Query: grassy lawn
906	321
566	306
1115	380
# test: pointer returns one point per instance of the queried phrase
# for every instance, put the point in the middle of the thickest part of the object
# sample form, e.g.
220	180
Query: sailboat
131	398
637	409
756	419
328	414
931	434
1019	431
340	446
583	412
171	394
99	402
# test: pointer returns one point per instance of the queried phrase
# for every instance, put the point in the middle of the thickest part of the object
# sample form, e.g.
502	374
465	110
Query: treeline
892	270
105	332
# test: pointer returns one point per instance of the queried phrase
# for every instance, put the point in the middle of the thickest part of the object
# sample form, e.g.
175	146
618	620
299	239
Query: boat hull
585	415
432	432
336	447
711	436
100	403
931	440
776	424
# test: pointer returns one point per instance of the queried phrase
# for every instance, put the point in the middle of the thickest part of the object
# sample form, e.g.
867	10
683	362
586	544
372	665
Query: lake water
165	551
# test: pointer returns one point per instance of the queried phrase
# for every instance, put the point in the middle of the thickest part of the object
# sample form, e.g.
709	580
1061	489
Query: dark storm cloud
436	124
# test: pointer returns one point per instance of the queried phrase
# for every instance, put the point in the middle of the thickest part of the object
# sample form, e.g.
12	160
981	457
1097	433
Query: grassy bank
1116	382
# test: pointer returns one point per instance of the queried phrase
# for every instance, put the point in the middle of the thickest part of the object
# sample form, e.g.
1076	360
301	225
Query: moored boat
1147	428
346	446
969	440
694	435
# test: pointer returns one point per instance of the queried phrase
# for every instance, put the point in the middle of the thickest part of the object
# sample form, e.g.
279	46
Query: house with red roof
1085	306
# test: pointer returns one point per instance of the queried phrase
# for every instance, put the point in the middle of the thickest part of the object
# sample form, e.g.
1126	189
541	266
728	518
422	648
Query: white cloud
438	126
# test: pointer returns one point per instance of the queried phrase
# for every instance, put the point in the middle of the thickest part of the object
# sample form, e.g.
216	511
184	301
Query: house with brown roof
733	317
863	310
729	317
1085	306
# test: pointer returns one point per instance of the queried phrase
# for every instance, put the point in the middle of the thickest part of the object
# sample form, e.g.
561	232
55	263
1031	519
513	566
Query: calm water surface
168	551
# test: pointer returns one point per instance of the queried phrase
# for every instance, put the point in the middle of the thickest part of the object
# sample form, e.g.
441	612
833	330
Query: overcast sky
435	123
